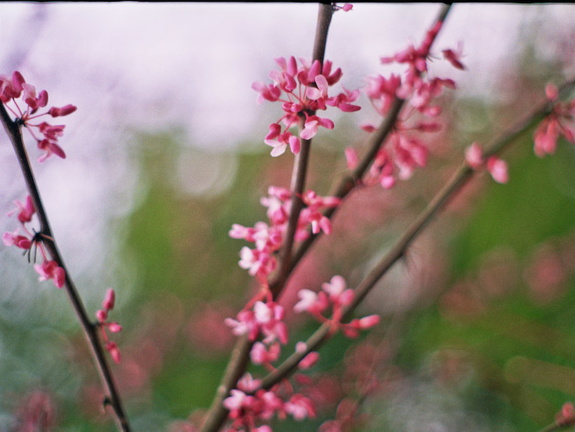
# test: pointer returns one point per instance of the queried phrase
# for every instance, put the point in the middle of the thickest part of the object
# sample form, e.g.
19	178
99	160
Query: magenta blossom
302	90
13	91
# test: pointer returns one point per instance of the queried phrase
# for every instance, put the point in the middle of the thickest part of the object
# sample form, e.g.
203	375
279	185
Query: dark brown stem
13	130
239	360
461	176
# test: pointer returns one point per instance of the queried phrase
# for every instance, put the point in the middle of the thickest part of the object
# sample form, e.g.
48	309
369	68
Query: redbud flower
109	300
474	156
104	324
558	123
309	360
300	407
27	210
50	270
15	88
303	90
498	169
351	158
15	239
454	57
63	111
114	351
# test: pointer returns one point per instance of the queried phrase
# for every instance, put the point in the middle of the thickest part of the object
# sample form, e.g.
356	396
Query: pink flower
311	126
265	319
27	210
109	300
269	317
351	158
114	351
498	169
281	142
454	57
309	302
311	214
15	239
302	90
14	88
309	360
63	111
104	324
558	123
50	270
235	401
337	290
300	407
546	136
474	156
261	354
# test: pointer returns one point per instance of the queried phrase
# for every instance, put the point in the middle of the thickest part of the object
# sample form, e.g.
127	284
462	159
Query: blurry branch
559	424
461	176
301	162
239	360
112	397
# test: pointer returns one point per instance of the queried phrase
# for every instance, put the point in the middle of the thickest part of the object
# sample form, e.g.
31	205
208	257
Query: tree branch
240	358
461	176
112	396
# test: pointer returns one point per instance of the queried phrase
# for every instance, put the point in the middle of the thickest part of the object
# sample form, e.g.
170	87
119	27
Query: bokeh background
166	152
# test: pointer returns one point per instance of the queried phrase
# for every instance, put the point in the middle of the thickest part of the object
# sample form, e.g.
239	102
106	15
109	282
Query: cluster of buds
13	91
496	167
334	296
27	240
404	152
268	237
264	325
250	404
104	324
558	123
303	90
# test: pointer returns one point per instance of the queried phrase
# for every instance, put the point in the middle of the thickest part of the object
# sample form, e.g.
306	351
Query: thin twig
112	395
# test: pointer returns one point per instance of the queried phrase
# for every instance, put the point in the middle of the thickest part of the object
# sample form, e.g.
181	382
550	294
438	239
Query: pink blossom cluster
405	152
302	90
497	167
45	134
104	324
558	123
48	269
268	237
249	404
264	325
334	296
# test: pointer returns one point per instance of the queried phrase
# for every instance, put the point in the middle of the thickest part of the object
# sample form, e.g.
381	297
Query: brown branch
239	360
112	396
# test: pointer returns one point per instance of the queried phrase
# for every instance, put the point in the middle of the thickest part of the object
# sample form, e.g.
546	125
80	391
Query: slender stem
239	360
461	176
90	331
